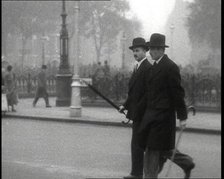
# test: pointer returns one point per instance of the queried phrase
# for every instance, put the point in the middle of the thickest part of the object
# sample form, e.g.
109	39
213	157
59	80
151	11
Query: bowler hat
157	40
139	42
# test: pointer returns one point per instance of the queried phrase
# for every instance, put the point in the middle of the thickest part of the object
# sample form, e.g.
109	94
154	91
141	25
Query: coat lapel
134	76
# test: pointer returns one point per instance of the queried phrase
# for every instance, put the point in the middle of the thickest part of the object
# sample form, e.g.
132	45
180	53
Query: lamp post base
63	102
63	90
76	106
75	112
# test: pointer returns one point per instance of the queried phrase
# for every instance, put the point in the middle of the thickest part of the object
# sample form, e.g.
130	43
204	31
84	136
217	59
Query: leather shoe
188	172
133	177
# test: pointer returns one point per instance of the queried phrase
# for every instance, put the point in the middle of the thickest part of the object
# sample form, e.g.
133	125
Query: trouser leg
151	163
137	153
46	97
184	161
36	98
162	161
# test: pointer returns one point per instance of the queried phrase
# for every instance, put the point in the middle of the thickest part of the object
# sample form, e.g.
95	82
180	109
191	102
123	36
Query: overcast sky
152	13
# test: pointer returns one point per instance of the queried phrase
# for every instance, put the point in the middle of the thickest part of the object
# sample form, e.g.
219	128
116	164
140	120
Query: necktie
154	64
135	68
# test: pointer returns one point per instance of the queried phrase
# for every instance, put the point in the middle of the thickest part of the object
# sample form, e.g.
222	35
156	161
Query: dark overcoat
42	85
165	101
136	91
10	87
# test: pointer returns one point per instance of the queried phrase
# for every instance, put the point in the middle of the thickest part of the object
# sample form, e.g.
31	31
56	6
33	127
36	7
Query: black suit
135	109
165	102
136	90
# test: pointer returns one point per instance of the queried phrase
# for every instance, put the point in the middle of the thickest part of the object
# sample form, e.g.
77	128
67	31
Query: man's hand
121	109
183	124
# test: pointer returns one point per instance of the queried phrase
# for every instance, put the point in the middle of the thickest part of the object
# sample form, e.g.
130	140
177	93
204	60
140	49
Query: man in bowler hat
42	87
133	104
164	102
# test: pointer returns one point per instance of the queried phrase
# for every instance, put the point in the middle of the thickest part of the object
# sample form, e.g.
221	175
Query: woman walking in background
10	87
4	100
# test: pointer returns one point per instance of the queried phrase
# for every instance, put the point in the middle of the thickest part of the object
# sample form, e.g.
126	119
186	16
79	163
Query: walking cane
178	141
106	99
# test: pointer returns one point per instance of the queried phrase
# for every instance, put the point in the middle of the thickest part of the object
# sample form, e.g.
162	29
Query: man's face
139	53
156	52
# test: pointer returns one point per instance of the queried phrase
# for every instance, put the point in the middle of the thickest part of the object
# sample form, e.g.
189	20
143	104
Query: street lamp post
34	38
43	52
123	49
172	27
63	86
56	47
32	42
44	39
76	108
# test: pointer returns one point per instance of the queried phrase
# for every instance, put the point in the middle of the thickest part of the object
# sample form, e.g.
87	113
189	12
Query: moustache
135	56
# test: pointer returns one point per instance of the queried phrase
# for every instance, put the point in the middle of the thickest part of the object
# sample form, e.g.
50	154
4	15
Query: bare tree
204	22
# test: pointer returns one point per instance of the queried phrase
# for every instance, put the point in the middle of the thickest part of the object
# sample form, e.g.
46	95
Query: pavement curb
103	123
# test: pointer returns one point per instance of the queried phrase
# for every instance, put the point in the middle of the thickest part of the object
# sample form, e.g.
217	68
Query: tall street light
63	84
43	38
76	108
172	27
33	42
123	39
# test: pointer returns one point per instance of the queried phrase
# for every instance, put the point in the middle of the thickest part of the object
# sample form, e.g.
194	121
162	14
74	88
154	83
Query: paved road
49	150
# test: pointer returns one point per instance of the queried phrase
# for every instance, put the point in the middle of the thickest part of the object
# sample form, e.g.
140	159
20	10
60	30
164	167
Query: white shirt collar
140	62
157	61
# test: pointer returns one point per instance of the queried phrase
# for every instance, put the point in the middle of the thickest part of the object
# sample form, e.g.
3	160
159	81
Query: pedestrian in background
136	91
3	76
106	68
99	77
42	87
10	87
4	98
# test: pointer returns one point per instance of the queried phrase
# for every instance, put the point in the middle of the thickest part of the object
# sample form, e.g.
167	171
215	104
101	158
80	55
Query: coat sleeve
177	92
142	104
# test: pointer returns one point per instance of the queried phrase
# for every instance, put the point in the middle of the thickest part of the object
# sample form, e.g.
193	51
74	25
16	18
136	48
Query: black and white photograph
111	89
